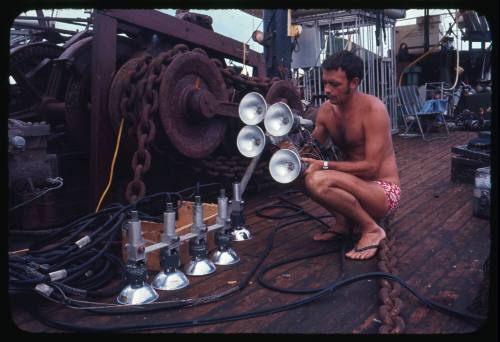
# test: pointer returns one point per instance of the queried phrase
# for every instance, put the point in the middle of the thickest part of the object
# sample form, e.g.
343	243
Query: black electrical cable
35	247
72	236
205	321
71	254
319	293
73	271
243	283
97	281
37	232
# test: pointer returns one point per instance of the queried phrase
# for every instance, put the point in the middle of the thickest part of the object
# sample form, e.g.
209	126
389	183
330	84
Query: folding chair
427	115
442	89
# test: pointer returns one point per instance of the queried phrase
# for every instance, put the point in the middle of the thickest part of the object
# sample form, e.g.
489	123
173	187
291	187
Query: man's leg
354	198
340	226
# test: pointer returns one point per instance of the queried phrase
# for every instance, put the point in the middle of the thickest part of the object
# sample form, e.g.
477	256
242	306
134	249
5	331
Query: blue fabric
434	106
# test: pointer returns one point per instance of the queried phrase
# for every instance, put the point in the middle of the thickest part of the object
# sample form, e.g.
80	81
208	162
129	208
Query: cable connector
56	275
57	180
44	289
83	241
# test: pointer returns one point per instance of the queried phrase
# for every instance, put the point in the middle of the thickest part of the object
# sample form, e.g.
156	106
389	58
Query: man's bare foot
368	245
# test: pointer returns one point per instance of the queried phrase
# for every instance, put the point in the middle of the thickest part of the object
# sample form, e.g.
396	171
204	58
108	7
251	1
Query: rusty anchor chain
128	106
390	310
147	76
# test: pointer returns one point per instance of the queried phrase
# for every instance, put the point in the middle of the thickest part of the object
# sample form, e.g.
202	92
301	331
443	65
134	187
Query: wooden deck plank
439	243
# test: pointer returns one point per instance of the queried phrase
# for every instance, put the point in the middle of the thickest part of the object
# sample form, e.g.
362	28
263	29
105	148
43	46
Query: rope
112	166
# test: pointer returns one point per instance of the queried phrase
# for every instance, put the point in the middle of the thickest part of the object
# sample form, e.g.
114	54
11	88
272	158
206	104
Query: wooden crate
151	232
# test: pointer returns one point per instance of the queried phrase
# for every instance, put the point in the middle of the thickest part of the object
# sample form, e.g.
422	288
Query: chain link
148	77
390	310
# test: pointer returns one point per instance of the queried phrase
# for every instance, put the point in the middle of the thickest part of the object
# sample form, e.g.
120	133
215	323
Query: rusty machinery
165	76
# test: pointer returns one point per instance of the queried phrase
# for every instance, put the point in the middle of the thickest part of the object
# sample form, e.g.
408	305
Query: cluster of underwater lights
285	164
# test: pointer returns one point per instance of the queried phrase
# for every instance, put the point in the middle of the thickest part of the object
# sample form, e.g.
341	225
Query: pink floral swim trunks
393	194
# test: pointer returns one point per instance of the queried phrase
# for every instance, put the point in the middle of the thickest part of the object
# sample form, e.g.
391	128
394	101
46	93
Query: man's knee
317	184
313	182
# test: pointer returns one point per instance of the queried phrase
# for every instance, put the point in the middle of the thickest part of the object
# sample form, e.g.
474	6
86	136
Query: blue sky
232	23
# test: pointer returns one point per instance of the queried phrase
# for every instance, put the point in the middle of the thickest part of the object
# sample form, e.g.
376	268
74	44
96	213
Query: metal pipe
237	191
134	229
198	212
318	79
372	56
369	47
169	222
377	62
69	20
222	207
248	174
363	57
393	78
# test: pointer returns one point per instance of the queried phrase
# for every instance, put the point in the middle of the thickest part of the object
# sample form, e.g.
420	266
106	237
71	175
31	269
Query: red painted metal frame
102	68
190	33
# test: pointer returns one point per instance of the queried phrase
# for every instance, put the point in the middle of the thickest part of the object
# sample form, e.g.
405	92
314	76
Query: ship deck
441	250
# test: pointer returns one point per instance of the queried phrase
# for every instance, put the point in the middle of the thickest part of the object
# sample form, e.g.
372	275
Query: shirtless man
364	187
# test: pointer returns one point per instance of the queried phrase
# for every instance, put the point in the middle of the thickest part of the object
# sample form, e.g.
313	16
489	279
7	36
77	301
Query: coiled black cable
317	293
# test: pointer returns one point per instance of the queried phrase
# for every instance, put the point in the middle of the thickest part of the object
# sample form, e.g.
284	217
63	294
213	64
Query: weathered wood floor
441	249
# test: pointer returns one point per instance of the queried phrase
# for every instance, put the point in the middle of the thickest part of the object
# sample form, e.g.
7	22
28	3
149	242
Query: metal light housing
199	267
226	256
241	233
285	166
137	295
251	141
170	279
279	119
252	108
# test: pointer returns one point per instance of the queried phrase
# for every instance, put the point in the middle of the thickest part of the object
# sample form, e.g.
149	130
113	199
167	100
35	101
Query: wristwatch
325	165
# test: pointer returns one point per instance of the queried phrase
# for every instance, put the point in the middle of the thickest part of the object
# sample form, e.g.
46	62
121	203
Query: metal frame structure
358	27
107	24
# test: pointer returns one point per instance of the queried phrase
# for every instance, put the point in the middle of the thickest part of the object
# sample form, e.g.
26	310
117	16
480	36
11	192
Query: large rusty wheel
30	69
284	91
189	88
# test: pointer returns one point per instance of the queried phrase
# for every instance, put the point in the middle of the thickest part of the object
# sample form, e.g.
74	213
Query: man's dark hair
349	62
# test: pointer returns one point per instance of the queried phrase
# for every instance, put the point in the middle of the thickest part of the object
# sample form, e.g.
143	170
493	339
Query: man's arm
320	135
320	132
376	130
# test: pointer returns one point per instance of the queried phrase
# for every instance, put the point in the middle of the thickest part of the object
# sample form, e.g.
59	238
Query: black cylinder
198	248
238	219
169	260
136	273
222	240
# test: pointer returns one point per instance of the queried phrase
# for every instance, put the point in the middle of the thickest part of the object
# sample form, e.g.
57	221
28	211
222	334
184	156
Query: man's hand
314	165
